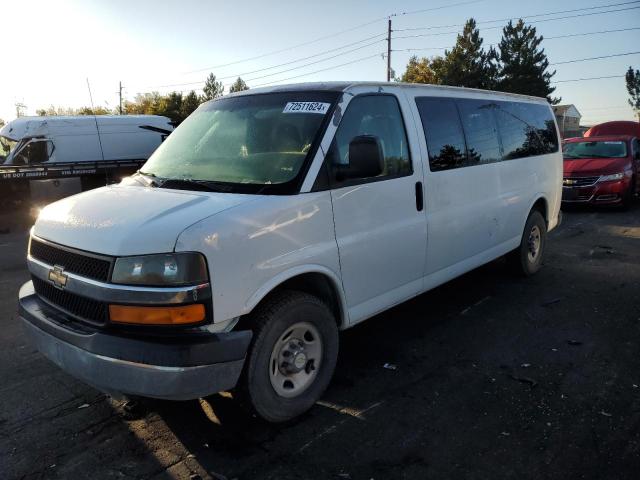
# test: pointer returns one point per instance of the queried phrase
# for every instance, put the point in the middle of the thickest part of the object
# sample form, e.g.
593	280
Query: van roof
344	86
42	125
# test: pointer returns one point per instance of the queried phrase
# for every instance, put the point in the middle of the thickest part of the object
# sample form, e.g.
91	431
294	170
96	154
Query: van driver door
379	220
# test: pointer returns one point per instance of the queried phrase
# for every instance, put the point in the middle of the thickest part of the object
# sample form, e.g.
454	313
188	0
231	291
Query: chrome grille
83	264
78	306
579	181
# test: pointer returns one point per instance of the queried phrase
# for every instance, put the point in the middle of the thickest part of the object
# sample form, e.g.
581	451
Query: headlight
609	178
162	270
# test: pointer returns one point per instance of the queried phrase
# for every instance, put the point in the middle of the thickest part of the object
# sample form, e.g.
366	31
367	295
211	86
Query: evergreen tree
212	88
467	64
189	104
523	63
633	87
238	86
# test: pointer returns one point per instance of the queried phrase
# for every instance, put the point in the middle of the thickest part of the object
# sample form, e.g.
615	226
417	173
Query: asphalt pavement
488	376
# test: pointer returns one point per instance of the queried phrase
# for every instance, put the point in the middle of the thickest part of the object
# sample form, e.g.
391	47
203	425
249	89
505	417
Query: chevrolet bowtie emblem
57	276
569	181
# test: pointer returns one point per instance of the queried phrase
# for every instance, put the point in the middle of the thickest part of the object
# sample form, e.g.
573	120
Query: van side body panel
253	248
472	216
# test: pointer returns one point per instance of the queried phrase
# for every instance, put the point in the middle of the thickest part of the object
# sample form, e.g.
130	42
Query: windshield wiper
193	184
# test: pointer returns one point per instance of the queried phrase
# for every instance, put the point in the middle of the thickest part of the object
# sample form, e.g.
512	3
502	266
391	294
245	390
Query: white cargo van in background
275	217
56	156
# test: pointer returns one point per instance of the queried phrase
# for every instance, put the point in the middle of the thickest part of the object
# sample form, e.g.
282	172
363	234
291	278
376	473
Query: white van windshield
254	140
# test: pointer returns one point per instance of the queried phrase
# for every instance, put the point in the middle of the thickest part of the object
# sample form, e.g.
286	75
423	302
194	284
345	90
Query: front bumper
172	367
599	193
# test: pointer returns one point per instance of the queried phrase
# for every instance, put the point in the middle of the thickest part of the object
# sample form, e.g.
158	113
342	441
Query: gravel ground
488	376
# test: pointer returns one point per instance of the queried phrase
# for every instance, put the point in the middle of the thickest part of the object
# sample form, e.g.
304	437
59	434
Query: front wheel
292	356
527	258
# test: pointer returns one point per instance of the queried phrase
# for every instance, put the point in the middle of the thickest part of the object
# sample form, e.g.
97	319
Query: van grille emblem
57	276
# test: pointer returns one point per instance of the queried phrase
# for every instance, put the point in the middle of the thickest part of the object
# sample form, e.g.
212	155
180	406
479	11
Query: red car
601	170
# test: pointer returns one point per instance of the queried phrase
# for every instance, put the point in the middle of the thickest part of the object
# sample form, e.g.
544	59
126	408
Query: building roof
568	110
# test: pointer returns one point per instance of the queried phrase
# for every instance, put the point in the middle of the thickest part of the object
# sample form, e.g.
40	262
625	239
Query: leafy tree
189	104
212	88
52	110
523	64
467	64
419	71
143	104
93	111
2	123
238	86
633	87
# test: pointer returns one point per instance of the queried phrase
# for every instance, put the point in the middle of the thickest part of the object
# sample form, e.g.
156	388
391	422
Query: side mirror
365	158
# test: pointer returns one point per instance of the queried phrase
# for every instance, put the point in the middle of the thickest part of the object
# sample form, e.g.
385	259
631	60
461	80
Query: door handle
419	197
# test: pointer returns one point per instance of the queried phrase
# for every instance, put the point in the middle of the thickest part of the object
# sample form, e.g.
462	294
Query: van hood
588	167
129	220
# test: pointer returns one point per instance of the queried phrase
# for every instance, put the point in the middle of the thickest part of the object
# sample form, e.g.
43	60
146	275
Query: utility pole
389	51
19	107
120	94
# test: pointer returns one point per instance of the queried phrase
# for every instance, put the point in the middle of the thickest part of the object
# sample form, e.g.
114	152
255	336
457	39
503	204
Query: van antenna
95	118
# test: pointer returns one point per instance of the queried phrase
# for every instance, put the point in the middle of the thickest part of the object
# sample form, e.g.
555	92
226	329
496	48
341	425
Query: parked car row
603	167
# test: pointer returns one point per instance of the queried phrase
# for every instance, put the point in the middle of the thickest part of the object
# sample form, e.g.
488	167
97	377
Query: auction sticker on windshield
306	107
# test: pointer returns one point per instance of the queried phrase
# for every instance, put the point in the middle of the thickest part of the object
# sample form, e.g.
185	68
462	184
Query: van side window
443	132
525	129
541	117
379	116
480	130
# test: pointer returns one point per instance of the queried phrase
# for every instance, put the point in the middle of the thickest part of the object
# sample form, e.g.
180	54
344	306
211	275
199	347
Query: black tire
520	259
627	197
269	323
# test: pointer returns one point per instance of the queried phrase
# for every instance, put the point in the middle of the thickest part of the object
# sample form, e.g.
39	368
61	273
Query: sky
53	47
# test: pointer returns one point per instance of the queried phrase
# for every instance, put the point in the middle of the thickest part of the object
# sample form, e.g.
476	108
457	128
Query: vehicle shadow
227	440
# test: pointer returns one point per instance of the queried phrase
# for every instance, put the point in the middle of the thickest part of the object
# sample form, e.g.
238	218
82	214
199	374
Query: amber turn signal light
179	315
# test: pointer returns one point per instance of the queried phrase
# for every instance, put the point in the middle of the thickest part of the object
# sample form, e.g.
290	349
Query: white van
273	218
82	138
47	158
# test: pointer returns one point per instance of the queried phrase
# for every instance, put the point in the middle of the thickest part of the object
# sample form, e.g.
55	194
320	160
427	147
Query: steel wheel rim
295	359
534	243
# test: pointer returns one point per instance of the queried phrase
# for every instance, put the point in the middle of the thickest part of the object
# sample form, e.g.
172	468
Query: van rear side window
491	130
525	129
480	131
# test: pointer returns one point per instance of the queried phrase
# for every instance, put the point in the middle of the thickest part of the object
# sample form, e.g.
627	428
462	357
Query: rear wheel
292	356
527	258
627	196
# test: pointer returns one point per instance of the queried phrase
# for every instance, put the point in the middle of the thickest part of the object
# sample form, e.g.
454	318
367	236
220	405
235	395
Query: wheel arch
313	279
540	204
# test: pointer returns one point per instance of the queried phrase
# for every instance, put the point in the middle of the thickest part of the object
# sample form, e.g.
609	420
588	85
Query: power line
227	77
325	37
606	108
595	58
506	19
588	78
592	33
582	34
322	70
527	16
441	7
286	49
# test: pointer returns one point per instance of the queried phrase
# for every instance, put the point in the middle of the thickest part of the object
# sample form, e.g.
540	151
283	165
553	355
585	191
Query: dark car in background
601	170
